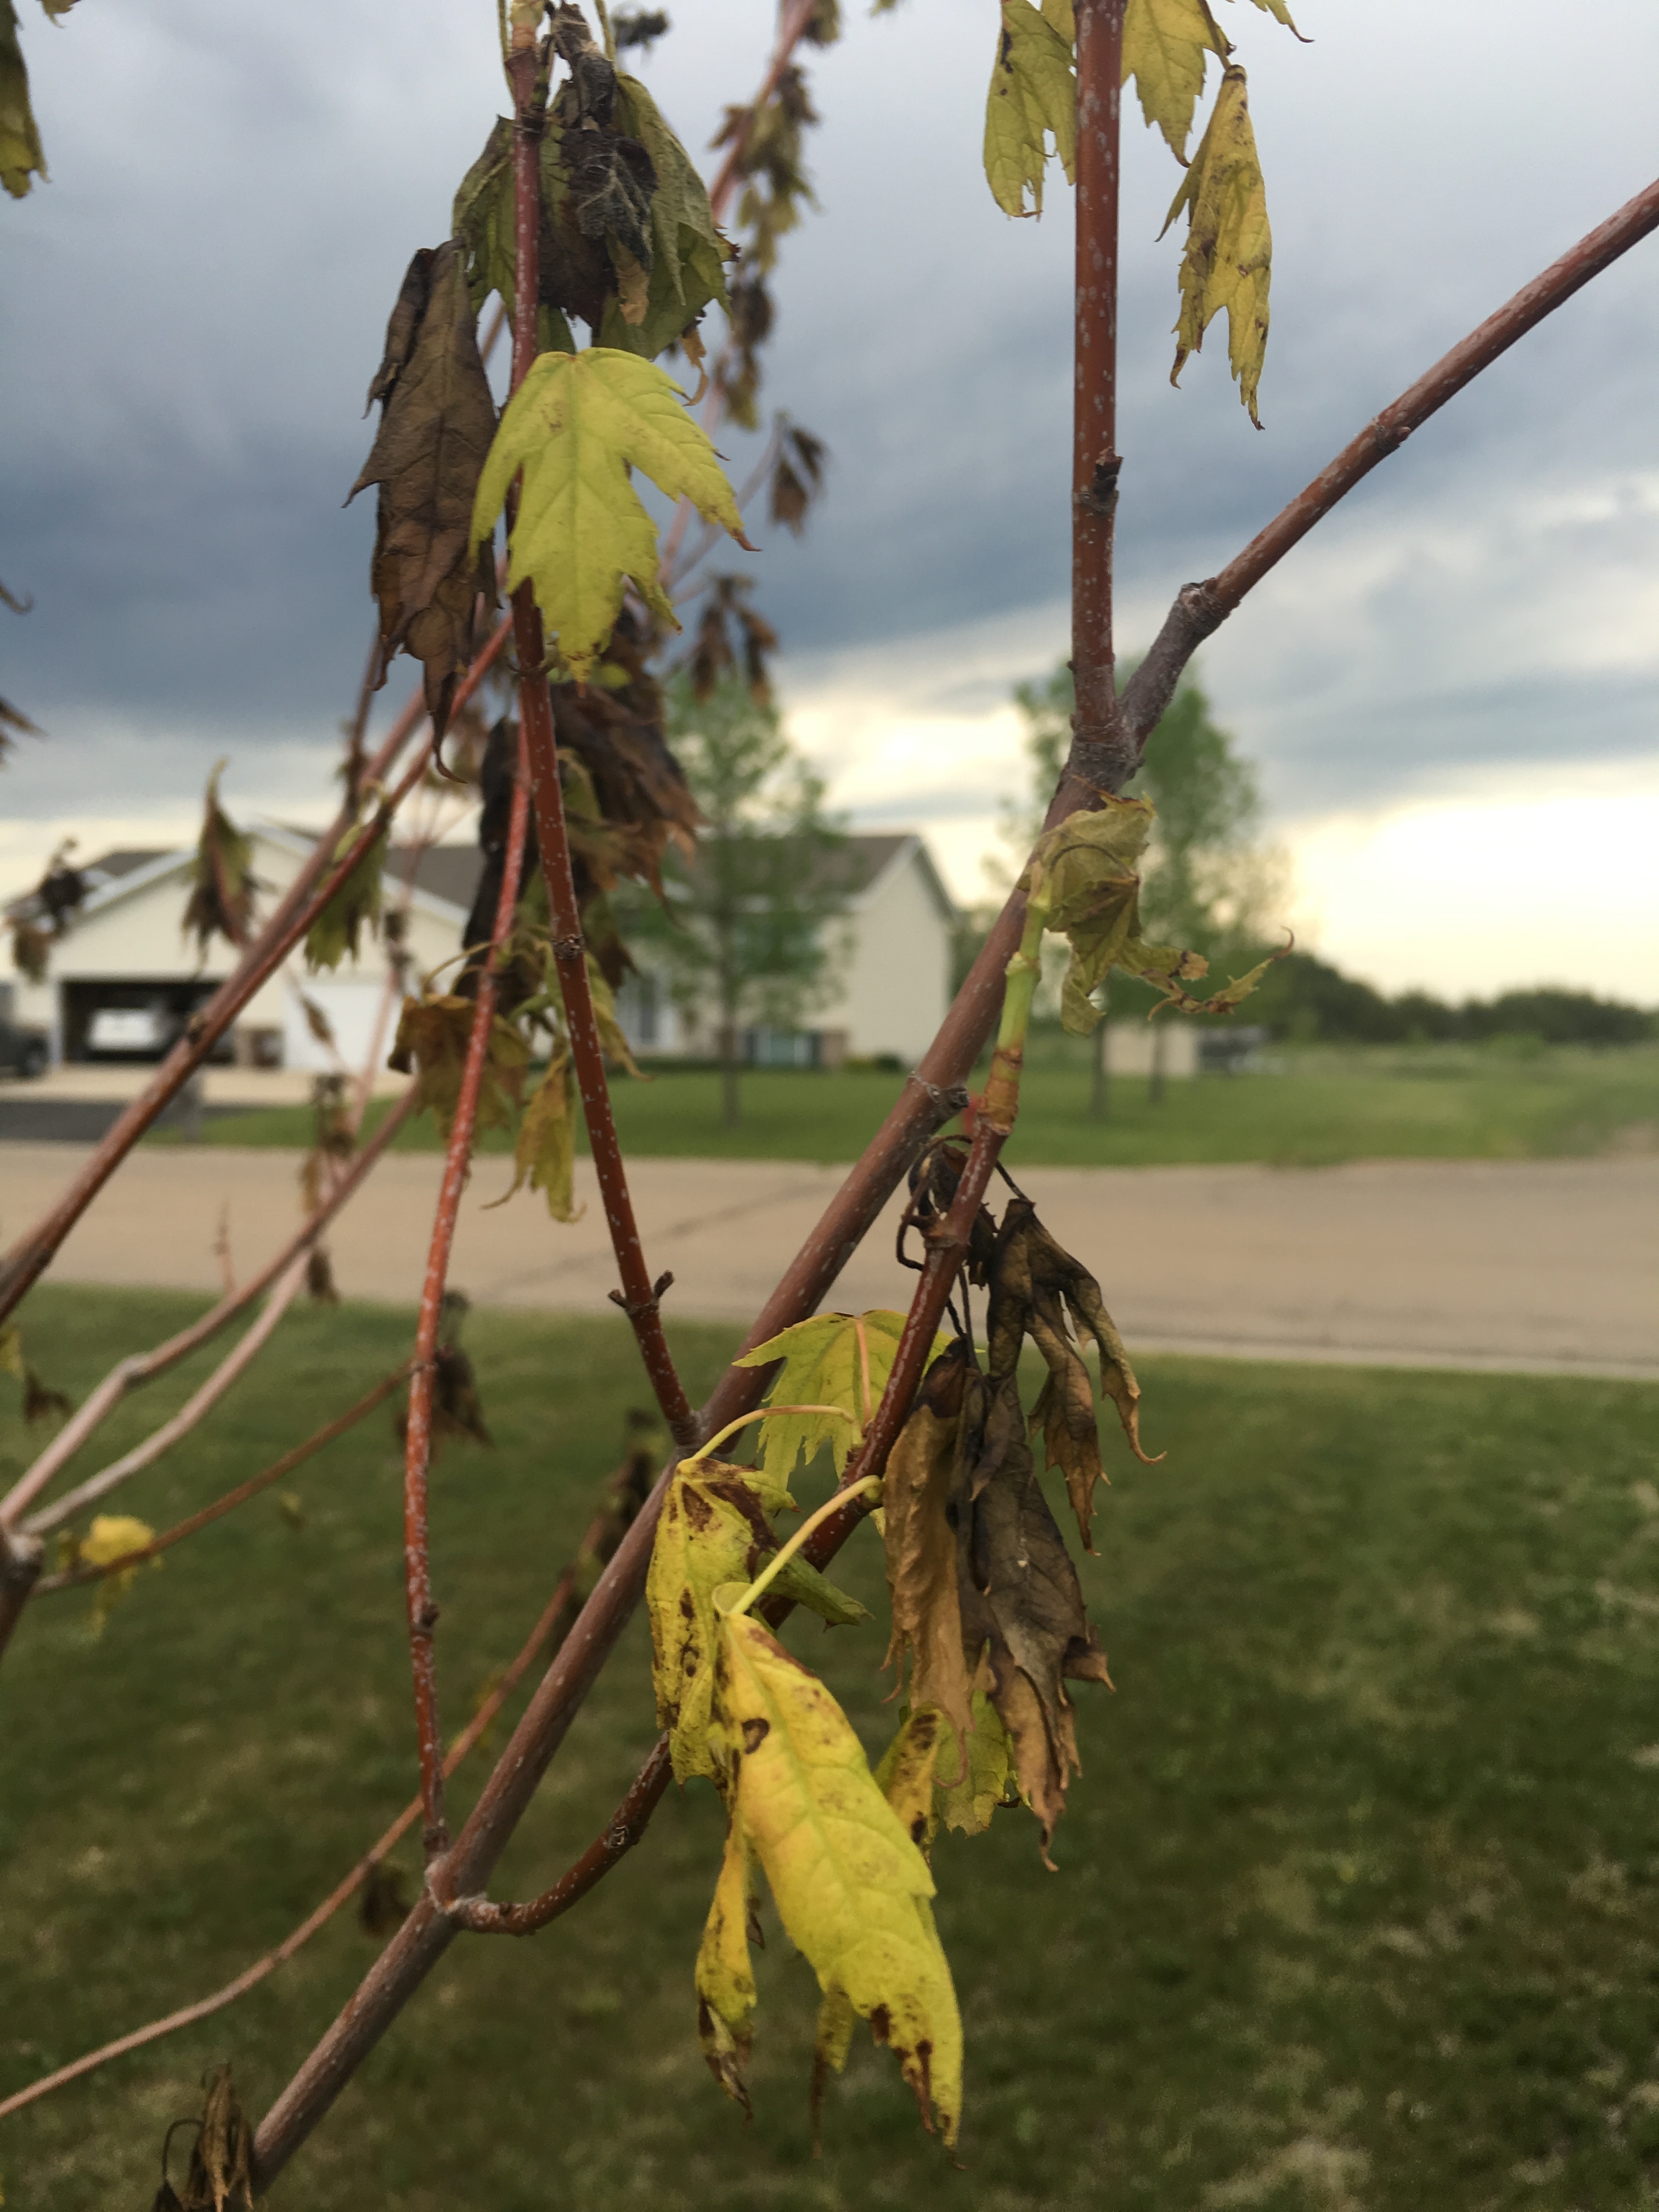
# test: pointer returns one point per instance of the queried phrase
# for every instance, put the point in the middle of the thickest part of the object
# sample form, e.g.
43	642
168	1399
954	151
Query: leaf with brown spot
725	1975
432	1044
436	423
715	1528
921	1545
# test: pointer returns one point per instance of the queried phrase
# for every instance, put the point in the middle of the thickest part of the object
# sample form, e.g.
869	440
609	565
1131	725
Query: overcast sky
1460	665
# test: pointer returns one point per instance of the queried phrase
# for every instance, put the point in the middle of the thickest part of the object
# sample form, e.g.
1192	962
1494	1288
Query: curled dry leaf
725	1975
921	1548
1089	864
437	421
222	886
1022	1607
431	1045
353	907
1034	1285
222	2158
715	1528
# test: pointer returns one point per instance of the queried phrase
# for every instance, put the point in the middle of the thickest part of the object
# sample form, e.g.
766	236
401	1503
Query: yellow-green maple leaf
1033	97
715	1528
545	1154
576	425
1228	259
112	1536
833	1360
850	1886
1166	45
985	1779
725	1974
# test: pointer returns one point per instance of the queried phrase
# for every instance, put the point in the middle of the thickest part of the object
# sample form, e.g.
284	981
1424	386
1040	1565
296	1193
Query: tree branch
624	1491
144	1366
418	1434
306	897
1200	609
229	1370
73	1578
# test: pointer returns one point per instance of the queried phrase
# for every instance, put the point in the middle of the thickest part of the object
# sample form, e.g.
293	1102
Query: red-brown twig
417	1438
144	1366
316	882
639	1295
1098	748
1200	609
72	1577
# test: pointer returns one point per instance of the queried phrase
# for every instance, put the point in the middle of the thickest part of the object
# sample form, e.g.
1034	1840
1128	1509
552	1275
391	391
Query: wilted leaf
685	270
576	425
712	656
921	1545
833	1360
725	1975
850	1885
715	1528
1227	257
457	1409
1033	1284
436	423
905	1776
220	902
41	1402
1021	1602
1033	97
1089	868
384	1904
1165	43
612	179
985	1780
355	906
544	1155
12	1350
221	2164
432	1044
21	158
797	478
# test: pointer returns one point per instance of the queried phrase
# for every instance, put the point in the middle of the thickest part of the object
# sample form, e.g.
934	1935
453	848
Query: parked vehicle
24	1051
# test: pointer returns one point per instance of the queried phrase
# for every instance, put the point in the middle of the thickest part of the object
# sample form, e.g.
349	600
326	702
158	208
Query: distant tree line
1304	999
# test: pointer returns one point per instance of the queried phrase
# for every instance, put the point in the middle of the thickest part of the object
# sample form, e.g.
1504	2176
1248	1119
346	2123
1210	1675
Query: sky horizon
1451	690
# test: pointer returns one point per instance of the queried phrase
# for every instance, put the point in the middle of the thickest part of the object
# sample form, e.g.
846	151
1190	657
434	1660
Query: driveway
1531	1264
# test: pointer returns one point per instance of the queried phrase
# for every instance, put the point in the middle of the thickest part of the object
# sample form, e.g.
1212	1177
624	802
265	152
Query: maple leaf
354	905
833	1360
112	1536
684	272
544	1155
714	1529
725	1975
432	1044
20	157
1227	261
576	425
1088	864
985	1777
1166	44
1022	1607
921	1546
220	902
1034	1282
1033	97
850	1886
436	422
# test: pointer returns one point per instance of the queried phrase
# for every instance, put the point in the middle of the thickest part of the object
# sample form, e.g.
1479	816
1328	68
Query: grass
1327	1104
1356	1907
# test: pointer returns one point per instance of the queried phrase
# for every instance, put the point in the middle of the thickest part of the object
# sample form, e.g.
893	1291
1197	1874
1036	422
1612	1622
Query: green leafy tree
747	929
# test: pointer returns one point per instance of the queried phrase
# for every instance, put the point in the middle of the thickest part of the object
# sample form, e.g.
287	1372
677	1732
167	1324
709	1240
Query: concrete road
1530	1265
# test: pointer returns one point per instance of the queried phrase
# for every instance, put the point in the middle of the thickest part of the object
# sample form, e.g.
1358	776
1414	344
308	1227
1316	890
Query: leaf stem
869	1487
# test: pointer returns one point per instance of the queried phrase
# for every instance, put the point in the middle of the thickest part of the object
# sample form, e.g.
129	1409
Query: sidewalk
1541	1266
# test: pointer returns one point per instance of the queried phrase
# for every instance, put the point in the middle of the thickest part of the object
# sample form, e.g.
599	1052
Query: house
123	978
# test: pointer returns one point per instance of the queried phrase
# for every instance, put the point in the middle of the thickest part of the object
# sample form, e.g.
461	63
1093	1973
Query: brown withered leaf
1035	1284
222	884
41	1402
320	1286
457	1410
797	477
384	1903
713	654
1022	1606
612	179
220	2162
437	421
921	1545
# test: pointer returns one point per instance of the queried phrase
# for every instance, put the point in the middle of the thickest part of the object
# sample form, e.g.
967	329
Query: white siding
895	984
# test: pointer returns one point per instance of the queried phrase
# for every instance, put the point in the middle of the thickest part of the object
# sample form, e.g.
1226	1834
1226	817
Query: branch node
947	1098
567	948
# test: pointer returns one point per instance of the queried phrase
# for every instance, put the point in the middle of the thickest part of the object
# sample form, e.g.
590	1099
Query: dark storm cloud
196	301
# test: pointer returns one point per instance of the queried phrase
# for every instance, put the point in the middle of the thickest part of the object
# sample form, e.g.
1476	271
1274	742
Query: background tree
747	929
1208	882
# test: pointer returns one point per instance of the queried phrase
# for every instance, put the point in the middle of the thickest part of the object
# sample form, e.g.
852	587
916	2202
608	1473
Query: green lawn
1357	1902
1327	1104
